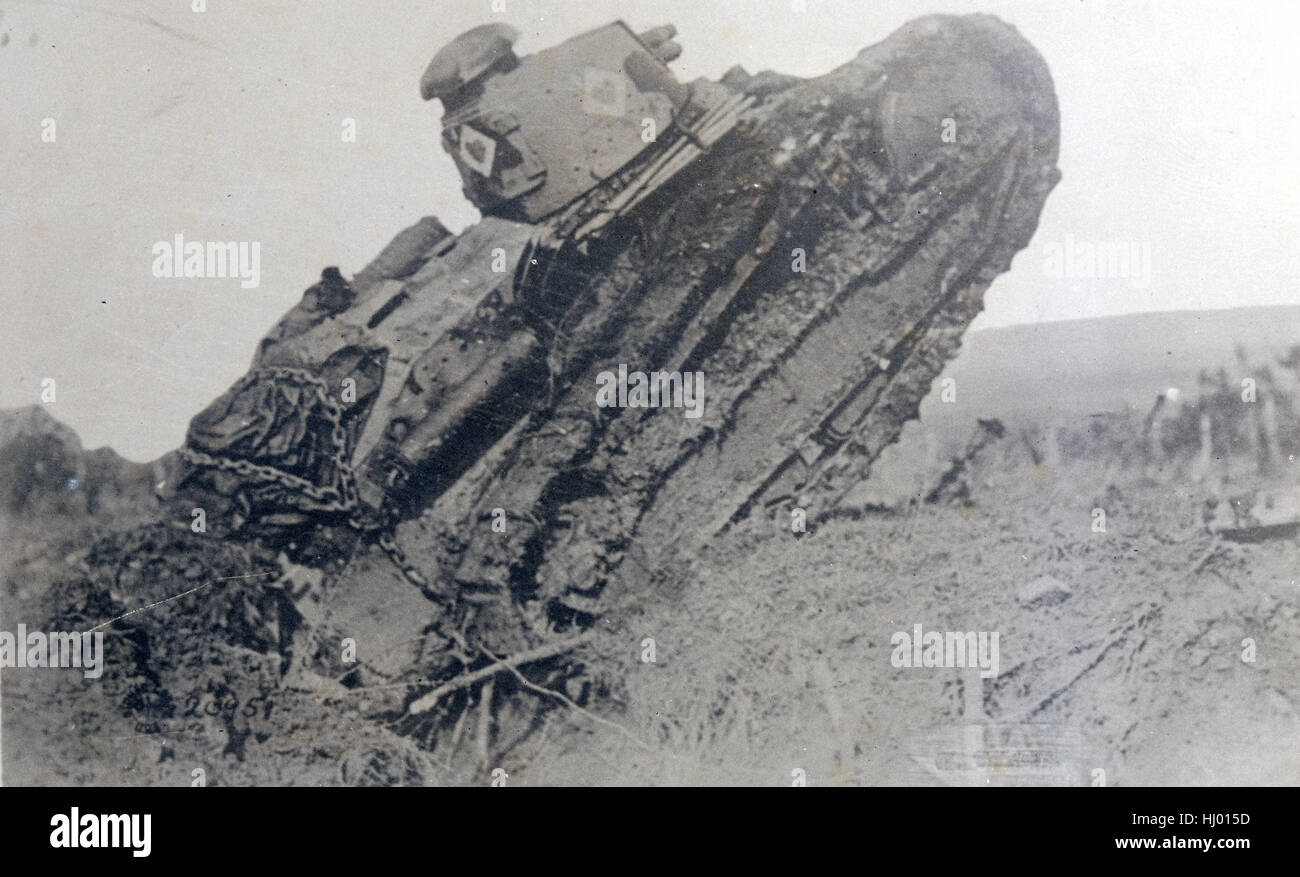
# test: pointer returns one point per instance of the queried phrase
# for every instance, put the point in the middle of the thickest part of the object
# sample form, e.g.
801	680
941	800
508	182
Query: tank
815	247
553	148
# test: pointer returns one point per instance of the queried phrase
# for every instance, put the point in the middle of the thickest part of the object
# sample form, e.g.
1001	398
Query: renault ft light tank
815	248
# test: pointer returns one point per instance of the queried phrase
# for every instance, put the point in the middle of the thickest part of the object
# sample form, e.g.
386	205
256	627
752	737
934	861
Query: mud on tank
563	141
550	147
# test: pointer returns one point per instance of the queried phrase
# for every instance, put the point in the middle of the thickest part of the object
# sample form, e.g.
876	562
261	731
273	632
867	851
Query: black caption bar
132	826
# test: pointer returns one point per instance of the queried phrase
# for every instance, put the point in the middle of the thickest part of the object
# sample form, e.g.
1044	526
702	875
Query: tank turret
534	135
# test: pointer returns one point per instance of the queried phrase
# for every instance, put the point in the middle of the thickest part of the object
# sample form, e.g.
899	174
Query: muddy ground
775	656
1120	651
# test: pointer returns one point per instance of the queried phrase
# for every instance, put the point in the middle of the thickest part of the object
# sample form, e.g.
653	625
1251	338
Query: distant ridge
1075	368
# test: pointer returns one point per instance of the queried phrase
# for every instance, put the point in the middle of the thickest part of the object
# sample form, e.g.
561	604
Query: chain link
388	542
340	496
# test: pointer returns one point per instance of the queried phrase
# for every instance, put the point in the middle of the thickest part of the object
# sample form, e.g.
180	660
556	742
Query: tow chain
338	497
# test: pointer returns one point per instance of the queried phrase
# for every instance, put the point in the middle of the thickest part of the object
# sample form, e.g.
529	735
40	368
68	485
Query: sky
1179	144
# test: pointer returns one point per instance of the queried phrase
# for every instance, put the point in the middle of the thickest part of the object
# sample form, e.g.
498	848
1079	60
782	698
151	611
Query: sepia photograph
642	393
